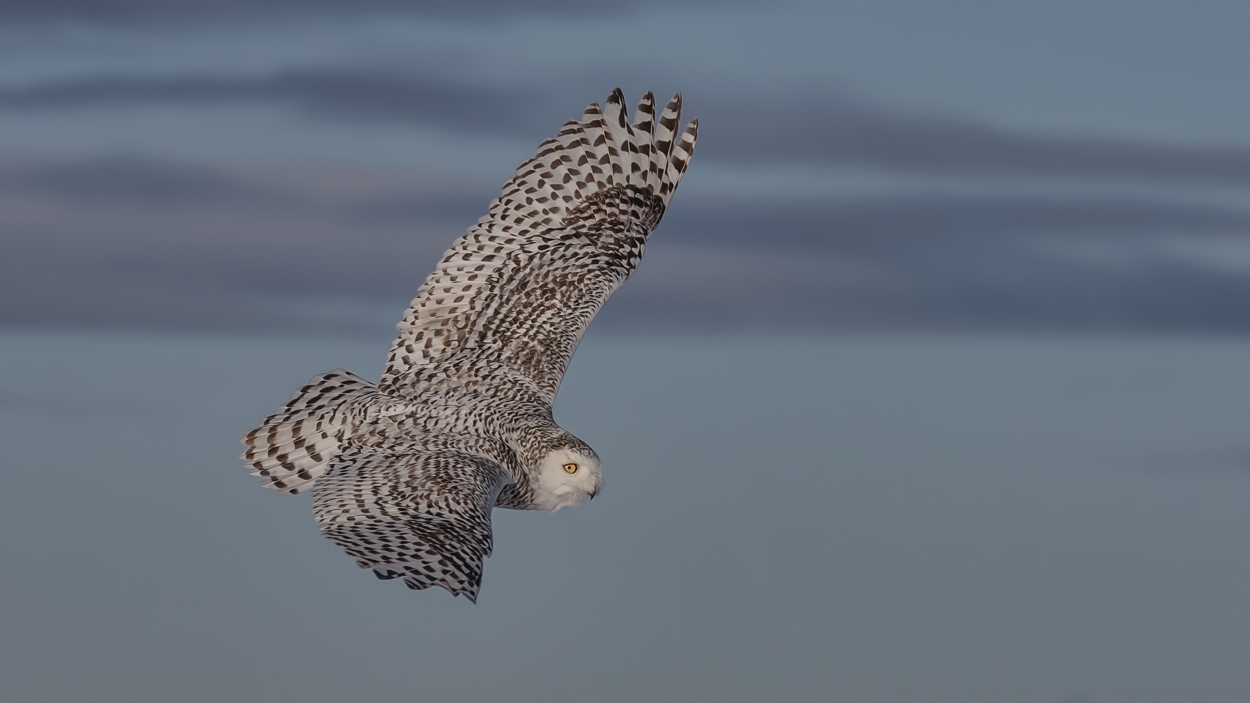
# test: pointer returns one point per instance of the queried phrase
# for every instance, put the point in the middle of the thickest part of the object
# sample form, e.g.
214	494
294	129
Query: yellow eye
570	468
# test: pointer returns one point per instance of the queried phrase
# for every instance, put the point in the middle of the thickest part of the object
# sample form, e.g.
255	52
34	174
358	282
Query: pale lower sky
941	519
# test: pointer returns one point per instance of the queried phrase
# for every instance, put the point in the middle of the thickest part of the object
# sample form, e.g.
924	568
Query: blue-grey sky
853	449
957	165
916	518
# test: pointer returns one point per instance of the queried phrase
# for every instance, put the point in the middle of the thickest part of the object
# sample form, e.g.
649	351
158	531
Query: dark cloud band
822	132
136	242
813	132
343	95
181	11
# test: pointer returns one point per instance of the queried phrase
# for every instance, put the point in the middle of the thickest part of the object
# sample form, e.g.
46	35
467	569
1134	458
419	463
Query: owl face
567	477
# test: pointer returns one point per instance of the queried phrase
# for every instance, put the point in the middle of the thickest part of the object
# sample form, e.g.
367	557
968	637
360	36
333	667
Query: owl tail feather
292	447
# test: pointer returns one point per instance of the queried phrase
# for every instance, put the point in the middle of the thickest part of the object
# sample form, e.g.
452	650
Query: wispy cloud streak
123	12
157	243
333	94
820	132
831	132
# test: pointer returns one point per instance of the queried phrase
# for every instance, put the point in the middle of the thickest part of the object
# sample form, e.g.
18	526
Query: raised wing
423	516
505	308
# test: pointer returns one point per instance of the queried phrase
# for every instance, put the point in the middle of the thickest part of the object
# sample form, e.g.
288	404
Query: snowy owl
404	473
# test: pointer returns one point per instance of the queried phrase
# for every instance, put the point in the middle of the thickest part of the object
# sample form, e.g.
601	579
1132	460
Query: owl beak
594	493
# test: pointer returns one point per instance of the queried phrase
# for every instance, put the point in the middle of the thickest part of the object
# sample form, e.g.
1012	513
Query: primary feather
404	474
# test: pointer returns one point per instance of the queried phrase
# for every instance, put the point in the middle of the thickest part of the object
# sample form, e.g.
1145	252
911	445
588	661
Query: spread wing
505	308
421	515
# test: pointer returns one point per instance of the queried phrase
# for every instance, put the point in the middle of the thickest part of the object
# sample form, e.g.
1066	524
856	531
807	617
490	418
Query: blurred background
931	387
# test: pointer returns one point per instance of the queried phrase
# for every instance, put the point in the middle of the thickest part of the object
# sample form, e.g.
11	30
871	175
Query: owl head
567	476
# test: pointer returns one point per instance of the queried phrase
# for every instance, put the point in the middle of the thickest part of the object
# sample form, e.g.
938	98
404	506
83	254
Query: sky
932	385
928	518
1064	166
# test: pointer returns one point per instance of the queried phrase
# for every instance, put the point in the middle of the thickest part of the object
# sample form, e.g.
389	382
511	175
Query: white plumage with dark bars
404	474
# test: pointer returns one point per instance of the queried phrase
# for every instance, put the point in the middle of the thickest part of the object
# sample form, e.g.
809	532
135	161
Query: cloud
138	242
1219	459
335	94
823	131
906	221
134	242
179	11
910	262
819	131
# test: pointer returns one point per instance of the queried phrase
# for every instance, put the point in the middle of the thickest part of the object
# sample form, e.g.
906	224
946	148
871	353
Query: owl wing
513	296
419	515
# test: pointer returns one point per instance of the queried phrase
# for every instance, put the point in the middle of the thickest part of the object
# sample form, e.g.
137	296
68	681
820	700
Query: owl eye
570	468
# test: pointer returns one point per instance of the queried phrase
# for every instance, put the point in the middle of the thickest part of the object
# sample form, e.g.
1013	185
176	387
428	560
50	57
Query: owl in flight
404	473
